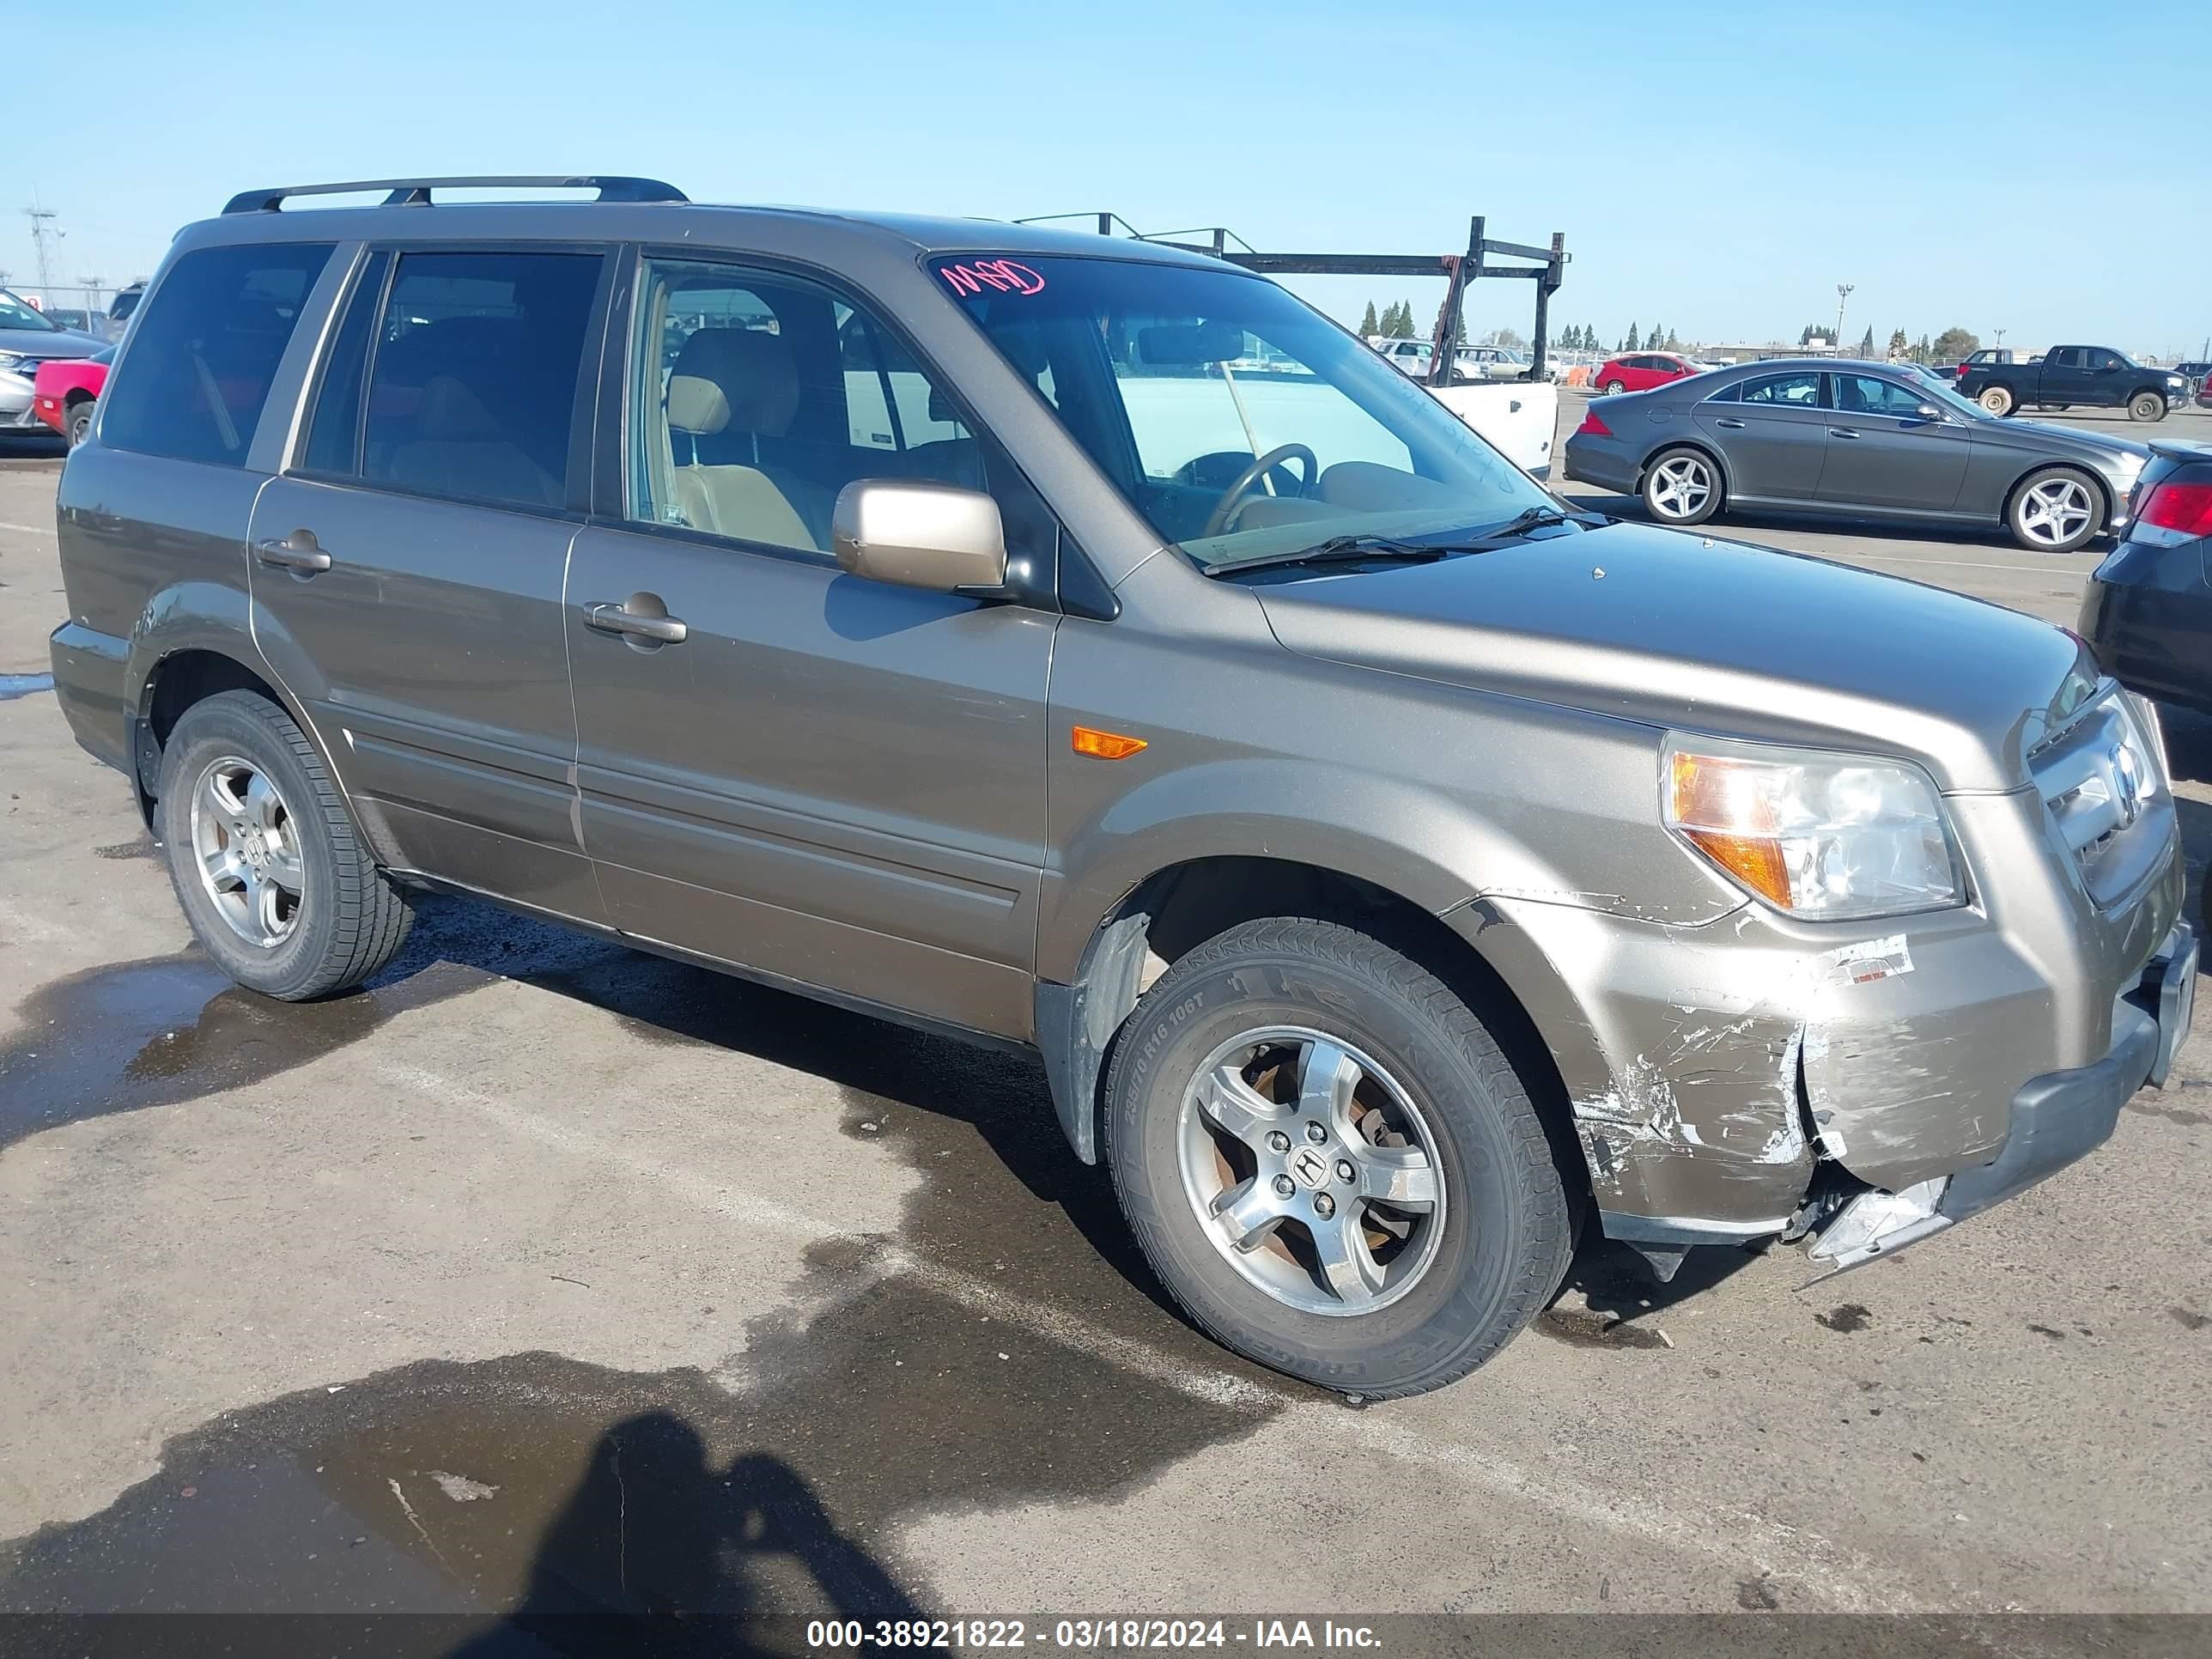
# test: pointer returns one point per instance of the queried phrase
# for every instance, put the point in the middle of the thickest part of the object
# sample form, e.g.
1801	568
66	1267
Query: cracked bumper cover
1711	1068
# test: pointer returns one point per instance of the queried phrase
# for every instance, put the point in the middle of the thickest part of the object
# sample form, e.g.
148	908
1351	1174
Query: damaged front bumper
1754	1077
2055	1120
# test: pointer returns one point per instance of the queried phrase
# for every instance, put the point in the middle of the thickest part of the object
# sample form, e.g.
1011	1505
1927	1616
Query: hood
37	343
1678	630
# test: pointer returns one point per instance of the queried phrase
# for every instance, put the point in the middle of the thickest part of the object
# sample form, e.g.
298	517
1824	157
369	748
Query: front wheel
1997	400
2055	510
2146	406
264	855
1330	1163
1682	486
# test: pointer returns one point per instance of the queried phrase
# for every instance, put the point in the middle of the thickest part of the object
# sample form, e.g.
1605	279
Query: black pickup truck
2096	376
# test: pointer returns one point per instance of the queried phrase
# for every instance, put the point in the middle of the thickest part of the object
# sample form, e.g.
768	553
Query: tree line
1396	322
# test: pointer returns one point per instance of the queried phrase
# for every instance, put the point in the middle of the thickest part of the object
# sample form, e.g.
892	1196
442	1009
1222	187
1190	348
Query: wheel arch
1180	905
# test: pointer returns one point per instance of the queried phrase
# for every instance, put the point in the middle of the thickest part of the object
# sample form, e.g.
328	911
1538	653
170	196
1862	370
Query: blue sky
1717	168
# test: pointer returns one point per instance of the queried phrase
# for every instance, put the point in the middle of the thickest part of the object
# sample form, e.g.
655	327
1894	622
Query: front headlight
1819	835
15	364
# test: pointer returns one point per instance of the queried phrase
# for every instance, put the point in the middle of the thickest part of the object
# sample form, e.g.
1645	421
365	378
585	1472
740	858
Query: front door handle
1843	432
1729	426
612	618
296	551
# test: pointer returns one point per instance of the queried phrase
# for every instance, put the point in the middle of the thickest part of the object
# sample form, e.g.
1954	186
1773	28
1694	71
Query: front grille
2103	787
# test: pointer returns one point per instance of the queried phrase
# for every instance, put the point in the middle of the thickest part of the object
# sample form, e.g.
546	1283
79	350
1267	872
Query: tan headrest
451	413
740	378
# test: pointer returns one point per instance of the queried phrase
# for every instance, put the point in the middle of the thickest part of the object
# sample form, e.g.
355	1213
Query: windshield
1180	382
14	313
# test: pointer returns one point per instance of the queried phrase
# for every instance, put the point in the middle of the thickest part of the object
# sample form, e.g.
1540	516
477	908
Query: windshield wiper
1535	518
1337	549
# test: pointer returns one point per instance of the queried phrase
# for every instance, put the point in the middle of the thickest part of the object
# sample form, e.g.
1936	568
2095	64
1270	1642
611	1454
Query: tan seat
459	449
744	382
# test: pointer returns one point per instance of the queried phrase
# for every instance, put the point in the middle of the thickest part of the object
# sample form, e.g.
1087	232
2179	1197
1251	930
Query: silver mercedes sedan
1859	440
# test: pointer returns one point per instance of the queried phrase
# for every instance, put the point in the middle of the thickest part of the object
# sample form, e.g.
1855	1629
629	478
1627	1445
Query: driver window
1863	394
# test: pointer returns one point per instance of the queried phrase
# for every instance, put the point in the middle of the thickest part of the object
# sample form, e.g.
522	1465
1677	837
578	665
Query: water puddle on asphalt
13	686
130	1035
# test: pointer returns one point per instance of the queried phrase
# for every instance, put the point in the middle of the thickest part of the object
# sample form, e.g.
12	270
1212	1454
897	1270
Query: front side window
757	396
1237	422
473	366
205	351
1799	390
1865	394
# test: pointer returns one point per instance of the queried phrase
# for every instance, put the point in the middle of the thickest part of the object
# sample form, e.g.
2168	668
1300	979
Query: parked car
2148	612
1868	439
66	389
1392	864
2194	373
27	338
2096	377
1639	371
1489	362
1989	357
1411	357
120	307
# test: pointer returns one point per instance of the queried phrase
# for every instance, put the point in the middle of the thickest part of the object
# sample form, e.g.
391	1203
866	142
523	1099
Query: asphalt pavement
542	1269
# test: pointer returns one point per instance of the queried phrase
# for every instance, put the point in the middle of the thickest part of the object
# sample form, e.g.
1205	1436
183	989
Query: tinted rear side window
472	383
334	434
206	349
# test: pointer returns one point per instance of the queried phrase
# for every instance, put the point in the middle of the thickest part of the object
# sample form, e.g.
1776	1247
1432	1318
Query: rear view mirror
919	535
1185	344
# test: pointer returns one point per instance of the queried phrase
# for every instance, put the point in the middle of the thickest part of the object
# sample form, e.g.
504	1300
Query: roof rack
416	192
1548	271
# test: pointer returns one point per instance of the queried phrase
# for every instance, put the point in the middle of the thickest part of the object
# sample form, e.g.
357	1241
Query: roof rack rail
416	192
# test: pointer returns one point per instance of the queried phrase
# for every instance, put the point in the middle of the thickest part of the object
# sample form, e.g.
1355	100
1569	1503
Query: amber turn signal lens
1755	862
1105	745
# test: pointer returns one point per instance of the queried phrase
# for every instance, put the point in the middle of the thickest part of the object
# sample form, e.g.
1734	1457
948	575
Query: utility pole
93	286
42	234
2001	333
1843	294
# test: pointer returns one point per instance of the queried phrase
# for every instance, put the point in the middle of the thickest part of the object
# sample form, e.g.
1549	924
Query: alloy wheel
1680	486
246	851
1311	1171
2053	513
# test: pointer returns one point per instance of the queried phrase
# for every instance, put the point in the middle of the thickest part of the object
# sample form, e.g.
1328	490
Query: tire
79	423
1998	400
2146	406
1612	388
1682	486
1464	1276
289	837
2061	408
2055	510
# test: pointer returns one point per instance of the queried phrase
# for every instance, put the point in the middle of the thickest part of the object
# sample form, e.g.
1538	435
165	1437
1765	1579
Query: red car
1639	371
64	392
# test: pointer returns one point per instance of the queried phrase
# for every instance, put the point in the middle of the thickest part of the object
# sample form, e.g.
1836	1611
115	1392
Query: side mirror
919	535
1929	412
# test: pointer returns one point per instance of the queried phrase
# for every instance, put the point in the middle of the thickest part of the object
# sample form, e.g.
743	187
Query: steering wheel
1217	520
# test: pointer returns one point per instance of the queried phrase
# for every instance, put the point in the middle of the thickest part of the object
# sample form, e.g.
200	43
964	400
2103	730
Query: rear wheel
1682	486
1998	400
79	424
1330	1163
1612	388
2054	511
263	856
2146	406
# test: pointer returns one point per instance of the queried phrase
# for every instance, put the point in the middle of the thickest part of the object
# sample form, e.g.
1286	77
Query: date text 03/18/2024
1087	1634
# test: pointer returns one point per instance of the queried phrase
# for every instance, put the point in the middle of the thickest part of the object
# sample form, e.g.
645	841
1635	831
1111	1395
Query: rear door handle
1729	426
1842	431
296	551
612	618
